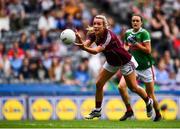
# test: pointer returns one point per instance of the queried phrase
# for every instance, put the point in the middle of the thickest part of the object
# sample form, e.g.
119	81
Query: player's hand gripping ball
68	36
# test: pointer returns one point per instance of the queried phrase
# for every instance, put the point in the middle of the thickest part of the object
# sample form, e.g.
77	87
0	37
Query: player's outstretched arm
94	51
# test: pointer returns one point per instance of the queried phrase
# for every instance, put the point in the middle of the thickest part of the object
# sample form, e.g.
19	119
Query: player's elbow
94	52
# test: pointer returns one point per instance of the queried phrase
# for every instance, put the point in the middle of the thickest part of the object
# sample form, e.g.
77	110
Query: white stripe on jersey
146	41
107	40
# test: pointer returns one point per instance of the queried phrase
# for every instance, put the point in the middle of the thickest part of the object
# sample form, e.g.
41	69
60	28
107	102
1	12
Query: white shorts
125	69
146	75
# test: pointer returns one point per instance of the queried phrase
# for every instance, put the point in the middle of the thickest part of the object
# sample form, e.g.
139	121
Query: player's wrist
135	42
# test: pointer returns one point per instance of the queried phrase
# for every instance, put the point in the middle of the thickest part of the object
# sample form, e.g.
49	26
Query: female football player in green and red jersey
137	41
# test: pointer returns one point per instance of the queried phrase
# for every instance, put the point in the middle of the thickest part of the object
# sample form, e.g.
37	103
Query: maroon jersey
114	51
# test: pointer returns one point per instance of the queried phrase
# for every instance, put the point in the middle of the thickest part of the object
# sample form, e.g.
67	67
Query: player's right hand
78	36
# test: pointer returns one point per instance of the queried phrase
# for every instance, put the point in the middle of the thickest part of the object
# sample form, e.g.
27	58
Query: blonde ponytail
90	30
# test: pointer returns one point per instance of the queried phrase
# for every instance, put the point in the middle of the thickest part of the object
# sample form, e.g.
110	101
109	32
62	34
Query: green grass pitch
89	124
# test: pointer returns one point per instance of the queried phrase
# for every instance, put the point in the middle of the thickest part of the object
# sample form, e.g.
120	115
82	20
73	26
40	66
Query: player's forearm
80	40
144	49
87	43
126	46
90	50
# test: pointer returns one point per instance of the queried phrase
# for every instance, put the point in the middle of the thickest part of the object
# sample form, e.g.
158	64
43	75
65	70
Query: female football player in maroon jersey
116	58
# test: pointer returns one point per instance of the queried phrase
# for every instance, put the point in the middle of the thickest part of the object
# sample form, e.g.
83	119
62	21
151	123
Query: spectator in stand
71	7
42	72
43	40
60	20
173	36
4	18
78	21
24	72
23	43
58	4
2	49
162	76
33	45
46	4
16	50
70	22
94	69
176	4
176	15
17	14
58	49
30	6
155	56
55	71
115	27
168	62
5	67
173	28
1	67
84	11
46	60
46	21
67	76
176	45
16	63
93	12
33	66
32	40
159	32
82	75
176	67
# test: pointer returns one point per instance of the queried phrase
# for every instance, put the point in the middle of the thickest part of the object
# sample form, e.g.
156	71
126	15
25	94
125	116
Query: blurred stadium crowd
30	49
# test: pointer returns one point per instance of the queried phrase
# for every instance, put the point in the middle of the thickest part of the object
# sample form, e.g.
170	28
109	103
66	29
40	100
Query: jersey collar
137	31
